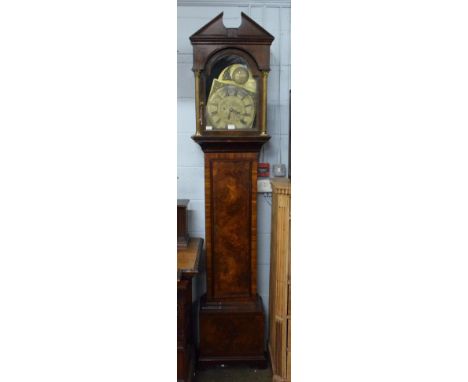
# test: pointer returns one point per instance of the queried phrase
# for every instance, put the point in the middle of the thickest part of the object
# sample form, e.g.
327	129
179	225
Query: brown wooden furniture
182	223
188	260
231	312
279	343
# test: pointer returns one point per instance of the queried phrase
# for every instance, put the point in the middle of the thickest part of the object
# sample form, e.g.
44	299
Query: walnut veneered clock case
231	67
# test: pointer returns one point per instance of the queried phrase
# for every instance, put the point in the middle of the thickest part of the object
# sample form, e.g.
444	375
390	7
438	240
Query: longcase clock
231	67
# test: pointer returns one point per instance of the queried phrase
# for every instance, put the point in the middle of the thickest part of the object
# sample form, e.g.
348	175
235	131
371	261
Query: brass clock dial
232	100
231	106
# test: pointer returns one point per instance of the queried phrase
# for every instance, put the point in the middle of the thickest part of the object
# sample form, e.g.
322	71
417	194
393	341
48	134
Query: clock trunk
230	213
231	313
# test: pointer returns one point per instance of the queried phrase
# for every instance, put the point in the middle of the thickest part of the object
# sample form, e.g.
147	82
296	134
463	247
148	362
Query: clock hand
234	111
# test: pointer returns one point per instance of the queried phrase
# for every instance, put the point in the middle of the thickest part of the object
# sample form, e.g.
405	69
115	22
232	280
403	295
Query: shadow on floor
233	374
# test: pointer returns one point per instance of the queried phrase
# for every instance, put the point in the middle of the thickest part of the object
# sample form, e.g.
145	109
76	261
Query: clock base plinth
232	333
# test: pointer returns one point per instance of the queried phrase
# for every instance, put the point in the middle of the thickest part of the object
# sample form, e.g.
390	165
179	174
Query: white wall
275	17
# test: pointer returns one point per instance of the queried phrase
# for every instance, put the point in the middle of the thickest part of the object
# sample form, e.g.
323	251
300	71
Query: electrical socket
263	185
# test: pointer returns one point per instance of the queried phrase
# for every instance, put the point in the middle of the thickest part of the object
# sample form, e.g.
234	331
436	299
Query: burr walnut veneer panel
231	224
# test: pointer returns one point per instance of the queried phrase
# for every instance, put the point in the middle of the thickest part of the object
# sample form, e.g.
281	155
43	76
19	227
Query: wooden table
188	266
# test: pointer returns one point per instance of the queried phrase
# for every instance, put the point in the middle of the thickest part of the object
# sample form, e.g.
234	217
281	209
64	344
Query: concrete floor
233	374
